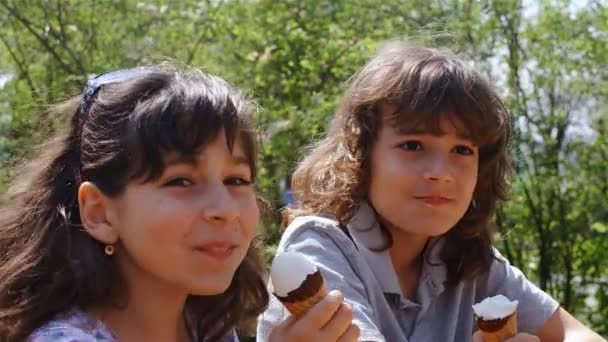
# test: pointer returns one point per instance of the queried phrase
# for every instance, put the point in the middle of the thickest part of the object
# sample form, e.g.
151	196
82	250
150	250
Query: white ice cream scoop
497	307
288	271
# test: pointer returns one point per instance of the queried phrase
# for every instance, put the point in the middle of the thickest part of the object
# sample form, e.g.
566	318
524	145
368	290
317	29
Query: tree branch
45	43
203	35
63	38
21	65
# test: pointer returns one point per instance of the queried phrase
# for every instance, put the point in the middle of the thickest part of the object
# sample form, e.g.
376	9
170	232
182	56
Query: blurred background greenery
548	58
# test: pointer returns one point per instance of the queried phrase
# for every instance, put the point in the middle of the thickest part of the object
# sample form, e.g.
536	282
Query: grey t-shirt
370	285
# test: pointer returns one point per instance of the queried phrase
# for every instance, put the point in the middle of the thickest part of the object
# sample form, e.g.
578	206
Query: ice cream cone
496	318
498	330
297	282
311	291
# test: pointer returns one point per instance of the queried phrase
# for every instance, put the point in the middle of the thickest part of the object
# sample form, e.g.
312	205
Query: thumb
477	336
524	337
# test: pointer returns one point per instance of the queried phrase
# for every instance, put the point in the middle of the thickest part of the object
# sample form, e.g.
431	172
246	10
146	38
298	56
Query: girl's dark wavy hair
424	84
49	264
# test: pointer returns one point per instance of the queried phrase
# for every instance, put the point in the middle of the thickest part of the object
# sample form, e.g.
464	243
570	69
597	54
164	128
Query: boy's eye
464	150
181	182
237	181
412	145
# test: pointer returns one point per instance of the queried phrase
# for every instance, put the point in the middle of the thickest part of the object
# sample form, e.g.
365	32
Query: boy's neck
407	255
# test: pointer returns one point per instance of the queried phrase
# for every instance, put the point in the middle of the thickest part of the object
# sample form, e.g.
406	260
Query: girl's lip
219	250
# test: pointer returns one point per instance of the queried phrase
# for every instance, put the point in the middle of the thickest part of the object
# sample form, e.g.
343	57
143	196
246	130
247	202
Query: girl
137	224
394	205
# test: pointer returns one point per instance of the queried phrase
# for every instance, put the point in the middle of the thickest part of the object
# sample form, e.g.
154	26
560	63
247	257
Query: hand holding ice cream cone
297	283
316	314
521	337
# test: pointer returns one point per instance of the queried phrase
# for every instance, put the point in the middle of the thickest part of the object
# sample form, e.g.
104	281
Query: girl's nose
219	204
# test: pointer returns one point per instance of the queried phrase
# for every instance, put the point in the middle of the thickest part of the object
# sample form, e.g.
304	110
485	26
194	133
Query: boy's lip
434	200
442	196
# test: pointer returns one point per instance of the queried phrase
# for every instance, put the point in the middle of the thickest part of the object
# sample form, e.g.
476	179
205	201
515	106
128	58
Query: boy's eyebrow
174	159
418	131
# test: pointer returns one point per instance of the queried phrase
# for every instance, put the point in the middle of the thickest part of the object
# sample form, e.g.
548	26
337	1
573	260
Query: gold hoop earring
109	250
472	206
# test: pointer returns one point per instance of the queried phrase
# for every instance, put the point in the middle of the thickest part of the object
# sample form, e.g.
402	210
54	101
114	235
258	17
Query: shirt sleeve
535	306
232	337
66	334
338	273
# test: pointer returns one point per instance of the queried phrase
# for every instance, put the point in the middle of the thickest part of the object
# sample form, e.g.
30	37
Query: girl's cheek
250	212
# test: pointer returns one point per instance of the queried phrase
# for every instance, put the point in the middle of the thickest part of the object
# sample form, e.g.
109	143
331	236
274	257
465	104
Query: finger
280	330
289	321
339	323
524	337
477	336
323	311
351	335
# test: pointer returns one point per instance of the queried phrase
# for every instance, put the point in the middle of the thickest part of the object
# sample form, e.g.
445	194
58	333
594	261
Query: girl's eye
237	181
412	145
179	182
464	150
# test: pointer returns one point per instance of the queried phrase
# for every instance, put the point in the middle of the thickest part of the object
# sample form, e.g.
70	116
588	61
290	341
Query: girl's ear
96	214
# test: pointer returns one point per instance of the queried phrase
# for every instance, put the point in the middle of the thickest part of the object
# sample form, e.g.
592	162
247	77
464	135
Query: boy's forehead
426	123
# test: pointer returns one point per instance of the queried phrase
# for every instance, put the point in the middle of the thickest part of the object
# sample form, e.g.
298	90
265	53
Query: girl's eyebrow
176	159
238	160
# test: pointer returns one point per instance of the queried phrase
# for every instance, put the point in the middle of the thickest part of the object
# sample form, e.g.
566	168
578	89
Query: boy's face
422	184
190	229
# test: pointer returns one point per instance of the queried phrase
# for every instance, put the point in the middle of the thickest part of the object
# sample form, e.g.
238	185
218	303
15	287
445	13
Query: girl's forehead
209	152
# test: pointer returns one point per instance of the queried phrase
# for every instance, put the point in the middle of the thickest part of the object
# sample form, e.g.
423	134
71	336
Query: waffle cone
309	293
498	330
299	308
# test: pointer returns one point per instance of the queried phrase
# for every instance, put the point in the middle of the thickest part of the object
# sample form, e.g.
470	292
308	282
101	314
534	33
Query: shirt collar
367	236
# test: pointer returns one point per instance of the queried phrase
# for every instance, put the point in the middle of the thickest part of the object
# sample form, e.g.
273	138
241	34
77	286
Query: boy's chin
438	230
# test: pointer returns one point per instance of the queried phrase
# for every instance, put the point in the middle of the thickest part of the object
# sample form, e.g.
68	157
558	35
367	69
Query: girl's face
190	229
422	183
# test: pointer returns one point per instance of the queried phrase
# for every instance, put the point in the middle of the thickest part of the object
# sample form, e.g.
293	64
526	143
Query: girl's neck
153	311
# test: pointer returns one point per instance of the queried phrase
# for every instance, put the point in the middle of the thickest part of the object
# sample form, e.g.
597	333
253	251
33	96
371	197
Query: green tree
548	58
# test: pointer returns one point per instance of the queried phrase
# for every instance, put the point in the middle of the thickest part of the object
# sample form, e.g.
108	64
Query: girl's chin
209	289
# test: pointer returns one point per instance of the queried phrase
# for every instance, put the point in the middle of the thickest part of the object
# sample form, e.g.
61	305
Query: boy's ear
96	214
